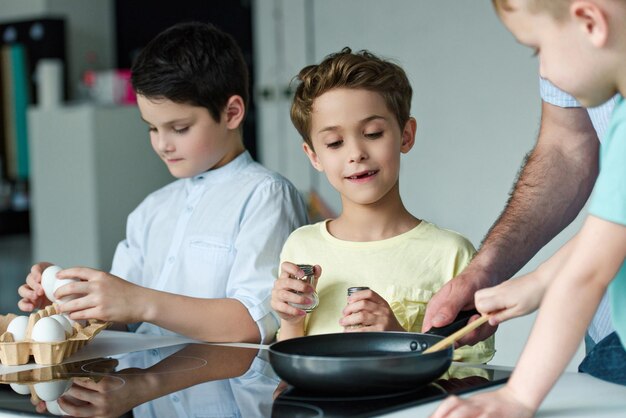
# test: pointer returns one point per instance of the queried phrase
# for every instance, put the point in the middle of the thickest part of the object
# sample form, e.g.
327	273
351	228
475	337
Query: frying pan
364	362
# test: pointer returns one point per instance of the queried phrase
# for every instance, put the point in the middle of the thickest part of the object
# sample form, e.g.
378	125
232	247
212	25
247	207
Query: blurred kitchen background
76	157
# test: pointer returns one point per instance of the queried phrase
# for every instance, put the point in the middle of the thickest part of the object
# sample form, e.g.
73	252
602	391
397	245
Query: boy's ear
592	20
234	112
408	135
315	162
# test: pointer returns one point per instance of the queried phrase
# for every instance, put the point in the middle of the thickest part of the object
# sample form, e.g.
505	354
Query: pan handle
459	322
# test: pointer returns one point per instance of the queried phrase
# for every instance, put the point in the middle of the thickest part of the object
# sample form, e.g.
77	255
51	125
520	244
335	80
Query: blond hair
351	70
556	8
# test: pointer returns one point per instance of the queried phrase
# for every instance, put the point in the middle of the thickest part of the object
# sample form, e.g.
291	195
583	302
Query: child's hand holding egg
50	283
32	293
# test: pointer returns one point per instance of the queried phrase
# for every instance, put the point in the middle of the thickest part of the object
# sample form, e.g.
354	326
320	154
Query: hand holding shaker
309	277
352	290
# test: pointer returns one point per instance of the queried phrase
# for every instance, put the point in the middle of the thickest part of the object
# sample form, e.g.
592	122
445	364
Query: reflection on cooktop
459	379
203	380
293	404
189	380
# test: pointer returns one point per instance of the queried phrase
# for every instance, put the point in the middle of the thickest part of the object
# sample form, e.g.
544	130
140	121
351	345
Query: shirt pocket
213	257
206	245
409	305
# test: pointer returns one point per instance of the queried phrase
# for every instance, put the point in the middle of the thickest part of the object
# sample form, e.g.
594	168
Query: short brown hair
556	8
351	70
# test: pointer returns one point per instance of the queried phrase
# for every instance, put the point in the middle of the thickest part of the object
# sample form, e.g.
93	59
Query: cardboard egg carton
14	353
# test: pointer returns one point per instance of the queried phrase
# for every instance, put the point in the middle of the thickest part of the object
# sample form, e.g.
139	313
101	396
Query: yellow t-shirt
406	270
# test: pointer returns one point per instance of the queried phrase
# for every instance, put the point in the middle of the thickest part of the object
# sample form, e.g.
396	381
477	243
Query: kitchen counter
168	376
575	395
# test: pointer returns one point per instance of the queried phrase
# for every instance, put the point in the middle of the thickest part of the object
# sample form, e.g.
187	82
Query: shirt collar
221	174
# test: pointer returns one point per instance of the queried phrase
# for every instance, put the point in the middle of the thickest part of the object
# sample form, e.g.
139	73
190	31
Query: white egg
17	327
82	322
48	330
63	282
21	389
48	280
52	390
54	408
66	324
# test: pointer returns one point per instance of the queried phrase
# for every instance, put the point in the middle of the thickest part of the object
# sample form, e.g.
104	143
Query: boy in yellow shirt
353	112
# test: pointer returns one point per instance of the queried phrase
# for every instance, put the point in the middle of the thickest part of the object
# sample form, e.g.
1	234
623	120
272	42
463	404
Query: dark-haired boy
200	254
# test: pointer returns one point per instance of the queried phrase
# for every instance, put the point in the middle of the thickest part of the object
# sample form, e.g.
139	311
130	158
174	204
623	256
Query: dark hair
351	70
193	63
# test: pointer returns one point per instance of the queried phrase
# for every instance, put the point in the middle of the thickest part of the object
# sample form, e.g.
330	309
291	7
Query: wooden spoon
451	339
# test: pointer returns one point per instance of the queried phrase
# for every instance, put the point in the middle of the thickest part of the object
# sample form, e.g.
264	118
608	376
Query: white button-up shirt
216	235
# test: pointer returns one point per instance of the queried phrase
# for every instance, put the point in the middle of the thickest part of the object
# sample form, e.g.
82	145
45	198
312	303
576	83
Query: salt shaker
355	289
309	277
352	290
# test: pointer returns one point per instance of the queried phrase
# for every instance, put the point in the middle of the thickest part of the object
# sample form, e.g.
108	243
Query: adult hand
284	292
501	403
100	295
32	293
455	296
368	311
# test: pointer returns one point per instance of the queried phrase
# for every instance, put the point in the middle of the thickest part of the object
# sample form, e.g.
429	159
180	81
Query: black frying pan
363	362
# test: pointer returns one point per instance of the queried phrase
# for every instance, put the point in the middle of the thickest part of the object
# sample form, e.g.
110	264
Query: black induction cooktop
459	379
205	380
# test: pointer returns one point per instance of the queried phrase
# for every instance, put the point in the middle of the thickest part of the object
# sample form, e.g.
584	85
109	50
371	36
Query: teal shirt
608	202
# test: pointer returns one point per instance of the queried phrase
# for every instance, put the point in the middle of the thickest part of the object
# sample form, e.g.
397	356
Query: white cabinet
90	167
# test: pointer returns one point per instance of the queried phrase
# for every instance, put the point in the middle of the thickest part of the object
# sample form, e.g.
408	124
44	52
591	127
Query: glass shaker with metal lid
309	277
352	290
355	289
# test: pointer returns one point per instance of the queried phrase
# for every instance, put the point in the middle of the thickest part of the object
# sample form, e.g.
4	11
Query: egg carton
14	353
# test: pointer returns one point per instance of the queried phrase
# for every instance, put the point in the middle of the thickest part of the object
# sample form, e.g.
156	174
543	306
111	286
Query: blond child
353	113
582	50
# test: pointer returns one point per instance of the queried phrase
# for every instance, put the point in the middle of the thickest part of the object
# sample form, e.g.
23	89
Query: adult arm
568	307
553	186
